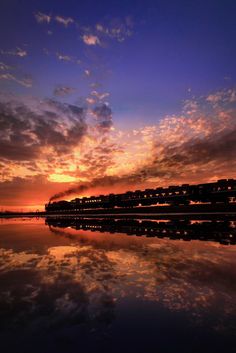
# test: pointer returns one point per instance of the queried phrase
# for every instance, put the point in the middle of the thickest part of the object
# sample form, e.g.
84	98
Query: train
222	191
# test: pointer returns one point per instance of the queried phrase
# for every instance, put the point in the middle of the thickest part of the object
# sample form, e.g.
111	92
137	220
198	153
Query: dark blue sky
166	52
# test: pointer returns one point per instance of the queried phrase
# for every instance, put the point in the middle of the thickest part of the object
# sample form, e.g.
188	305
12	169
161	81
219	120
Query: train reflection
222	231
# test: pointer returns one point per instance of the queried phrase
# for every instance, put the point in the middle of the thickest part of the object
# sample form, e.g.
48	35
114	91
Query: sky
114	96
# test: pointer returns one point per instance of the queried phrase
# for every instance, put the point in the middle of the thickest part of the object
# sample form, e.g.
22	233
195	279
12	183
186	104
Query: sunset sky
114	95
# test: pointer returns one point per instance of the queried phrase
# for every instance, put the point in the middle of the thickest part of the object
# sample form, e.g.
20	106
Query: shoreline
165	212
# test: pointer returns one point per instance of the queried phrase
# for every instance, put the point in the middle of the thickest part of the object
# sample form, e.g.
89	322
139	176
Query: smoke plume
107	181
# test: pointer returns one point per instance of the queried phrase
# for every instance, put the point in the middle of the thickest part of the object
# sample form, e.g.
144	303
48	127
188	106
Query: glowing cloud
90	39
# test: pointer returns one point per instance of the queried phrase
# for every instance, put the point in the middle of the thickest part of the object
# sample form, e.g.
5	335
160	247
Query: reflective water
82	285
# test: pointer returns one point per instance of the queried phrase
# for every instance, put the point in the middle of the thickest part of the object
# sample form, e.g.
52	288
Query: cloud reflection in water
85	282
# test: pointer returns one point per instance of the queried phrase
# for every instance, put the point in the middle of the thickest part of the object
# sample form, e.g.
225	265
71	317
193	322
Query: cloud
18	52
195	160
4	67
95	85
42	17
100	96
96	97
90	100
103	115
190	106
52	139
223	96
64	57
26	82
45	18
100	27
65	21
87	72
29	126
61	91
214	98
220	147
197	146
117	29
90	39
46	51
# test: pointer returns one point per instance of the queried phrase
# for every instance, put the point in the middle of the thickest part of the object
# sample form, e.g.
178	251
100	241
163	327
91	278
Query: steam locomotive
222	191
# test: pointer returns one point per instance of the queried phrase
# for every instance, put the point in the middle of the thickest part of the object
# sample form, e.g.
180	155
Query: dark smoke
67	192
103	181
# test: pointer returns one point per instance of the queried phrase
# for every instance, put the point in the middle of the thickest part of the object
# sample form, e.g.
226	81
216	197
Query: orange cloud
90	39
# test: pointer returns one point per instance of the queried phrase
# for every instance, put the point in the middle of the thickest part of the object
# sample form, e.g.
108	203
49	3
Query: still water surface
68	287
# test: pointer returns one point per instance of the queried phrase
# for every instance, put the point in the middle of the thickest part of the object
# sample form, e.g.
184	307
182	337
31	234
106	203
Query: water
70	285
